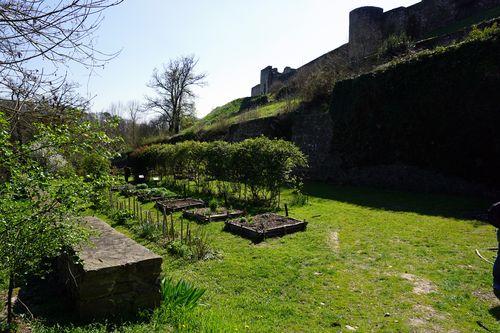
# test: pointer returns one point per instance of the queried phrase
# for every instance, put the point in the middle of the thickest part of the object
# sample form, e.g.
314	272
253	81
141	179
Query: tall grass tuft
181	294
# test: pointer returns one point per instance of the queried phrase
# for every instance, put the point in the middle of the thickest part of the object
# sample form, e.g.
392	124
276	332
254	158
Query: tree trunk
9	301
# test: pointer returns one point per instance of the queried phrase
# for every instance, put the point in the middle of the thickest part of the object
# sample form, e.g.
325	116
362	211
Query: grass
231	113
347	269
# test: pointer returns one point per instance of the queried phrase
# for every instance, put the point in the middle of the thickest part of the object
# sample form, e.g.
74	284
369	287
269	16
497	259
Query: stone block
117	277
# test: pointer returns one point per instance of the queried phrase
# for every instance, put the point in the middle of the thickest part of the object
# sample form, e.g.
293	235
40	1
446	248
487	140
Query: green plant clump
142	186
181	294
213	205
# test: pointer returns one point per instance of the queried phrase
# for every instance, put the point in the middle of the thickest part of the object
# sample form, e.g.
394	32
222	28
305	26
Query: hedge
260	166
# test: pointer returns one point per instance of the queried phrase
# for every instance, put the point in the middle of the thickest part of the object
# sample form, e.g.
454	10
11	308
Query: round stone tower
365	31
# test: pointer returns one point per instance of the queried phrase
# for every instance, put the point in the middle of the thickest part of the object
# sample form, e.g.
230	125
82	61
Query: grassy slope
307	282
231	113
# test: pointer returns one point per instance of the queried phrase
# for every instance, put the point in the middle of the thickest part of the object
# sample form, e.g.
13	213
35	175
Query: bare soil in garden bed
207	215
174	205
264	226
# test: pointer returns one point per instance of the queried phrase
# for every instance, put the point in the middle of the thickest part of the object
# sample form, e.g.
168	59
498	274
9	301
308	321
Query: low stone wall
117	277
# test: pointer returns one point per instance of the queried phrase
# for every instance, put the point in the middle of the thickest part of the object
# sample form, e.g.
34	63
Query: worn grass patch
357	265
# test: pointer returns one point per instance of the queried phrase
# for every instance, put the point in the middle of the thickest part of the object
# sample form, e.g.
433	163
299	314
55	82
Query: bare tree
55	30
56	33
173	86
133	112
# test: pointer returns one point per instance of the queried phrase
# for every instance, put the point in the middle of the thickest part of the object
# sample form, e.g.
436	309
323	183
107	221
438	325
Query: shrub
483	34
299	199
180	249
142	186
146	230
395	45
95	166
213	205
262	165
121	217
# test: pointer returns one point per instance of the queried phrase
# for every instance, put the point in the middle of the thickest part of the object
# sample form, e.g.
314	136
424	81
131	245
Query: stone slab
117	276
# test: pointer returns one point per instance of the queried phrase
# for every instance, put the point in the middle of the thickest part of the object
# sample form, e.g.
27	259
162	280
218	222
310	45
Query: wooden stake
164	226
172	230
182	226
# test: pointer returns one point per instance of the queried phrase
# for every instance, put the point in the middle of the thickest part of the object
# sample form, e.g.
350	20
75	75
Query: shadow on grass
46	301
463	208
495	312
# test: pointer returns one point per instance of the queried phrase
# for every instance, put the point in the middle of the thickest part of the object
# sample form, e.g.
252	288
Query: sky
233	40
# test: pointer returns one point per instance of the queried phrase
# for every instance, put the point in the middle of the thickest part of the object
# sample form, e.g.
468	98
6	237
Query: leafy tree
39	207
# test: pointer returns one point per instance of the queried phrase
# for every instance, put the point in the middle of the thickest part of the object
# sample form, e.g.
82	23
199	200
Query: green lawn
374	260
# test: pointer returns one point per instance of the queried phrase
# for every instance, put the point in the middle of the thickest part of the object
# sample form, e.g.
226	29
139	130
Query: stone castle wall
400	127
369	27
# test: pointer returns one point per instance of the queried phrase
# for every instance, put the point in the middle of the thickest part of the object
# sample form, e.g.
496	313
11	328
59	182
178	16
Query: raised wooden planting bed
175	205
205	215
265	226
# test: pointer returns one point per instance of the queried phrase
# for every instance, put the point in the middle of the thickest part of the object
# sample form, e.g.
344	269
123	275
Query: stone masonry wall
402	128
370	26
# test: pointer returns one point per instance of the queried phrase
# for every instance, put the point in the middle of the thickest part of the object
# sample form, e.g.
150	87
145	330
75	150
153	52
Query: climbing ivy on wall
439	111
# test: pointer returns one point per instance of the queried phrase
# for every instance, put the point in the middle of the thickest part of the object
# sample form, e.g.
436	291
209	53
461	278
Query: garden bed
175	205
205	215
265	226
155	194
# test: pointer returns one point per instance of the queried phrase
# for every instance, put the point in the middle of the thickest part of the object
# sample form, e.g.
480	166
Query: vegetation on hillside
465	23
400	114
242	110
317	86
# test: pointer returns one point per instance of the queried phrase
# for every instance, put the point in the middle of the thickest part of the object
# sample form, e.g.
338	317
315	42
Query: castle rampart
369	27
365	31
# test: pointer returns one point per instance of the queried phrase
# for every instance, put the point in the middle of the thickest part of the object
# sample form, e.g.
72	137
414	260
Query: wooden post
182	226
128	203
164	225
172	230
286	210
